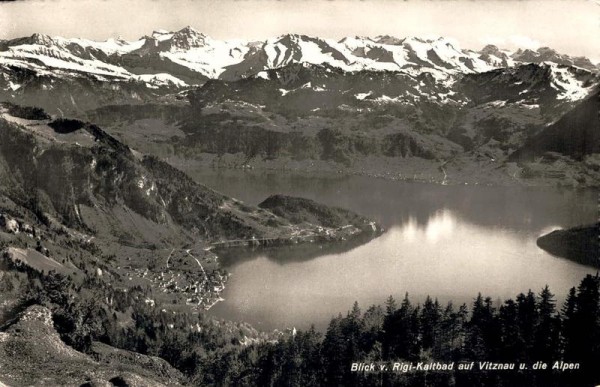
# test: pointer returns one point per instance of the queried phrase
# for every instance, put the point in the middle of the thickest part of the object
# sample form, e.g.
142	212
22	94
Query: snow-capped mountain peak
388	39
35	39
547	54
41	39
190	57
188	38
161	34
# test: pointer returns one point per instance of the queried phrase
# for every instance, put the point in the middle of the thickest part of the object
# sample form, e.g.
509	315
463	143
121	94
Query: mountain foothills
419	109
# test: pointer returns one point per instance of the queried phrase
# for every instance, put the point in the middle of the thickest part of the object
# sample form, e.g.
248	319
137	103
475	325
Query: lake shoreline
446	241
483	173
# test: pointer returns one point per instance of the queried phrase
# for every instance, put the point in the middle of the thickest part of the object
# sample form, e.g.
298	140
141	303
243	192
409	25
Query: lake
450	242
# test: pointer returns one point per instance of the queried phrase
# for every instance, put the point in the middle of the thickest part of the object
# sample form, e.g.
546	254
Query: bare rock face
8	225
32	353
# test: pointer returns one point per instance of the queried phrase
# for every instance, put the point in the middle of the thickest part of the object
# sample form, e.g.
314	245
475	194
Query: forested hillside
528	329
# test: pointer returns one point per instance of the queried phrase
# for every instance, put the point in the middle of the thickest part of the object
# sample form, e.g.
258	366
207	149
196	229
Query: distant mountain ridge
188	57
73	76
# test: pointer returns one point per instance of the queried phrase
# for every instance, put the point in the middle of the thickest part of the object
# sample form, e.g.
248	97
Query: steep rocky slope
77	173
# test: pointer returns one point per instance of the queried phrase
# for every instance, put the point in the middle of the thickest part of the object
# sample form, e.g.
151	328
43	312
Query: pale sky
569	26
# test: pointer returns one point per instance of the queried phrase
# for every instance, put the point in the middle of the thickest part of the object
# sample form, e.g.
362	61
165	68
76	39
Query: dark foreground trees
524	332
528	330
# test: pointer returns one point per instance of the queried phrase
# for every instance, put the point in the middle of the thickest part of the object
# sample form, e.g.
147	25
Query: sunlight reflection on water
449	242
445	258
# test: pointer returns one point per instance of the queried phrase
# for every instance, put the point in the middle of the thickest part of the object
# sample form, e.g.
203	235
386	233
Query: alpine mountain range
344	100
110	252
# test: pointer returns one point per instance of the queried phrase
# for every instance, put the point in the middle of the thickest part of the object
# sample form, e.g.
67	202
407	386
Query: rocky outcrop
32	353
9	225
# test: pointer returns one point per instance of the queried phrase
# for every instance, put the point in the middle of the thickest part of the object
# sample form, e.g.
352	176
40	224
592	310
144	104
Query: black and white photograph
300	193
